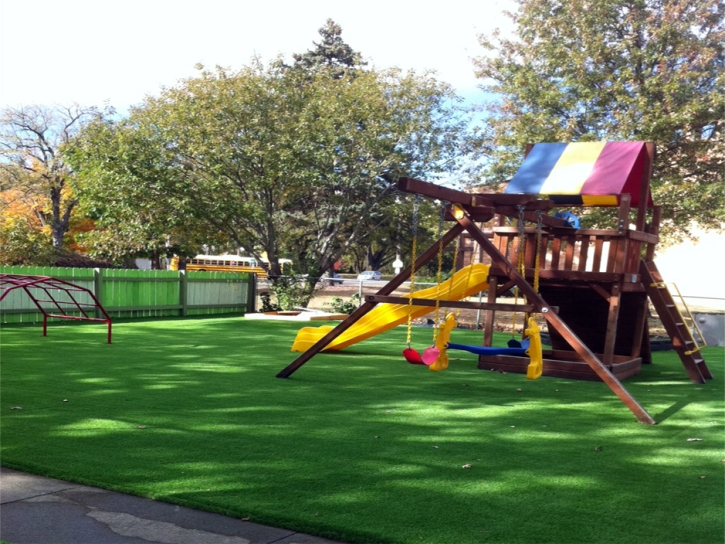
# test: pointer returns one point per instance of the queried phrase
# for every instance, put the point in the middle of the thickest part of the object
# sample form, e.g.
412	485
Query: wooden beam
612	319
451	304
643	237
432	190
556	322
569	275
509	202
654	229
532	217
600	290
490	314
482	214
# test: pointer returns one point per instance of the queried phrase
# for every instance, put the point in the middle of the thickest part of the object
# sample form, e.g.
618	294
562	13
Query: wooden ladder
674	324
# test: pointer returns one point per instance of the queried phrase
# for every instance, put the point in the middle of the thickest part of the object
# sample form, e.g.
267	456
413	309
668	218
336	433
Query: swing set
436	357
592	287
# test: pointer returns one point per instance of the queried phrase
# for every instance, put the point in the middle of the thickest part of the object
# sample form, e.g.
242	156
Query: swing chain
441	218
521	261
539	229
416	205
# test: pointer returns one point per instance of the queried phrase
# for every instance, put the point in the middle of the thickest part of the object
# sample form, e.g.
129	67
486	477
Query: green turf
359	445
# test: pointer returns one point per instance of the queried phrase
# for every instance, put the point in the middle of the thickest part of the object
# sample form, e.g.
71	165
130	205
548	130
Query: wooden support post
554	321
388	288
490	314
646	350
640	328
621	250
612	320
654	229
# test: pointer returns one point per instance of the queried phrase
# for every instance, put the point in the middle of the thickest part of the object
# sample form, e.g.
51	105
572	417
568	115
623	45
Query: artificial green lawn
358	445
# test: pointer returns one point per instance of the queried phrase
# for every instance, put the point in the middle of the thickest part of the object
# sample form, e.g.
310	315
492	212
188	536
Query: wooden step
670	316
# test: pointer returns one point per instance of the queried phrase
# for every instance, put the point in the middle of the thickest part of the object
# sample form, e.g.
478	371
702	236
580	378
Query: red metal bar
9	282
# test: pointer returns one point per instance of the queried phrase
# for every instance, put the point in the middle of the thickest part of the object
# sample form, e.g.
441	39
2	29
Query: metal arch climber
58	299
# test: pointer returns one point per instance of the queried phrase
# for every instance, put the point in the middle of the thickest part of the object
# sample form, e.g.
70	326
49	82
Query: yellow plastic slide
465	282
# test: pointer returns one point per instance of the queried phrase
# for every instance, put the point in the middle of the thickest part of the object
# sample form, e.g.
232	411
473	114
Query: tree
620	70
332	54
123	174
32	162
282	161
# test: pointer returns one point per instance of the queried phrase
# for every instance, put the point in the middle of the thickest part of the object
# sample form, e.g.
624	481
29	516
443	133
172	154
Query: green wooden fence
141	293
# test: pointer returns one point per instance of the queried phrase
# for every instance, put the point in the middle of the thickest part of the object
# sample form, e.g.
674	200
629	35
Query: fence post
183	293
252	294
98	288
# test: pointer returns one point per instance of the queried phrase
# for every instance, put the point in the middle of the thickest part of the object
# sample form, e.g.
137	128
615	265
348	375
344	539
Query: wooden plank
555	253
598	250
600	291
612	255
431	190
574	356
640	325
570	246
643	236
612	320
530	252
504	200
503	307
583	253
567	275
620	260
654	229
490	314
571	370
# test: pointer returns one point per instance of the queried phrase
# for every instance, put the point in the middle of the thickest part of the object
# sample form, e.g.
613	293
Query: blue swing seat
484	350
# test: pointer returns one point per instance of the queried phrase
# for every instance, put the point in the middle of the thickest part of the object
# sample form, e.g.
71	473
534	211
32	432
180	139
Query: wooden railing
576	252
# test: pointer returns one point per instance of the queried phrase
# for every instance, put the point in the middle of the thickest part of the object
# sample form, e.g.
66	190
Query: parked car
335	279
370	275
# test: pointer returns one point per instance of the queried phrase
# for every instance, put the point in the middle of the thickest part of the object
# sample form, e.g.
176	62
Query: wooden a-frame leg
387	289
554	321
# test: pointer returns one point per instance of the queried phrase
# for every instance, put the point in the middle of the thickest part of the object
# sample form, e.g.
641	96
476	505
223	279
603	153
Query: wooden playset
591	286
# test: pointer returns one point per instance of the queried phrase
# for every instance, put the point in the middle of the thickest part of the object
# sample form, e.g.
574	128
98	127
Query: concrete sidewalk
38	510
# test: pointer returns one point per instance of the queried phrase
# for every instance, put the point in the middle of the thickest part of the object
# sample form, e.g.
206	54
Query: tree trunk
58	231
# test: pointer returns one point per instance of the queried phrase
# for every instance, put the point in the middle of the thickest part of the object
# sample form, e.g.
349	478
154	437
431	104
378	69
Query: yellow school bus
220	263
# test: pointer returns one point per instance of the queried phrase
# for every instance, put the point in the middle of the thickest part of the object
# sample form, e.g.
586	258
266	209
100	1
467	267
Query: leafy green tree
122	183
32	160
280	161
615	70
332	54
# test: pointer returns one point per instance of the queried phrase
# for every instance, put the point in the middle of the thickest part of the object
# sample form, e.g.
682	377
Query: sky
117	52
